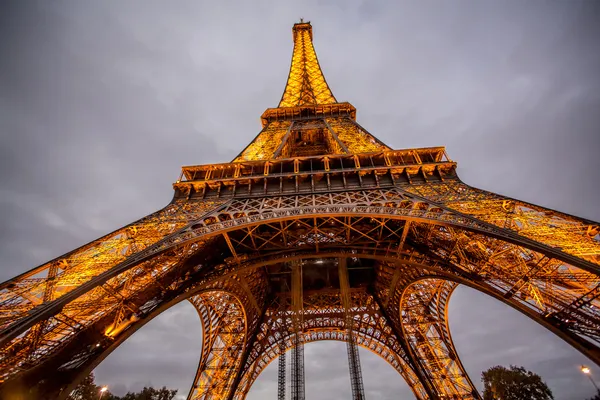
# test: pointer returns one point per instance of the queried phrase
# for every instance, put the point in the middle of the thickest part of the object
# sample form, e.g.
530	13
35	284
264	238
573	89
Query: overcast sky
102	102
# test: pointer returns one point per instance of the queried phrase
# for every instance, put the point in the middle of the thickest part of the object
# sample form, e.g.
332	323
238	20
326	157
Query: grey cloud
101	103
487	333
164	353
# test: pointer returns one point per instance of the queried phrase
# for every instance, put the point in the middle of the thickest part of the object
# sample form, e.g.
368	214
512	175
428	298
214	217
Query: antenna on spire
302	26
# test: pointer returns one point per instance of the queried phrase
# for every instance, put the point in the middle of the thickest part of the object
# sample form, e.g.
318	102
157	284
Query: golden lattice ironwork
306	84
308	121
316	231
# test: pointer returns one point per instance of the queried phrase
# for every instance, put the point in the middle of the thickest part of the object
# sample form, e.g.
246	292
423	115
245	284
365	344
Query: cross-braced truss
316	231
391	226
324	318
306	83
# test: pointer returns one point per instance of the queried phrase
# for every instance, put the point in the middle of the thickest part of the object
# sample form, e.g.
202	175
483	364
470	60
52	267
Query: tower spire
306	84
309	121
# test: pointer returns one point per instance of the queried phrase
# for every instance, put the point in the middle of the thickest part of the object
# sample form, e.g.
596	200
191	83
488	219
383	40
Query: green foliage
88	390
514	383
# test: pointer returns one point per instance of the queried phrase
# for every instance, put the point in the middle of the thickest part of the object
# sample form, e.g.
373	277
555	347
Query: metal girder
230	319
281	373
425	325
356	381
325	318
558	291
312	184
224	331
575	236
297	373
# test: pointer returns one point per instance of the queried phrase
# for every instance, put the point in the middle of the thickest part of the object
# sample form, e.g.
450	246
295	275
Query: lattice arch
448	243
333	334
422	275
324	318
423	311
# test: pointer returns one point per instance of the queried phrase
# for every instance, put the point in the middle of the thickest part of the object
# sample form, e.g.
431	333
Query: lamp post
105	388
588	372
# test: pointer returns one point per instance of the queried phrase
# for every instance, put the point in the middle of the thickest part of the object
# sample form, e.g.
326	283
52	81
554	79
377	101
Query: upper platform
306	94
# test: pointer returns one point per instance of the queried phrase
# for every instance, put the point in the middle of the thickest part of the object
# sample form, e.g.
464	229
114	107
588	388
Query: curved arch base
415	242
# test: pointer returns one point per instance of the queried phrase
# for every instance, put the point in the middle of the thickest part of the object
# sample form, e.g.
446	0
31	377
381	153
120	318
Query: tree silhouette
88	390
148	393
596	397
514	383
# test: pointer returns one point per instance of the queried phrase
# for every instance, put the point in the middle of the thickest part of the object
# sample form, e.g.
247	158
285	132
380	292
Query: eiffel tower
315	231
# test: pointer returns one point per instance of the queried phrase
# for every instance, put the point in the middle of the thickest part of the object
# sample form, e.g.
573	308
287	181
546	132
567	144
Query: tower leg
371	330
424	323
281	373
416	309
224	328
358	390
356	381
297	378
230	314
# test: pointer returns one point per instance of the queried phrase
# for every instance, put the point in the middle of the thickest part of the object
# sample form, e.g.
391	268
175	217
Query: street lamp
588	372
105	388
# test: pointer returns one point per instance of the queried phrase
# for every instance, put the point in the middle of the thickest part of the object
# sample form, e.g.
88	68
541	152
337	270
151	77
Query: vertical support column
356	381
297	378
282	310
281	372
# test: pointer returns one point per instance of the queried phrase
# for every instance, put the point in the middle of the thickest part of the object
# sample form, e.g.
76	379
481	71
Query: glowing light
585	370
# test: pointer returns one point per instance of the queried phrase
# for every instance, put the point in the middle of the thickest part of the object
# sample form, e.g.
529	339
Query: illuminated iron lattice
316	231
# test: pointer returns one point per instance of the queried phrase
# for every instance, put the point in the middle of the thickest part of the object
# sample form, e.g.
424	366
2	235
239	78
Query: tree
149	393
596	397
514	383
88	390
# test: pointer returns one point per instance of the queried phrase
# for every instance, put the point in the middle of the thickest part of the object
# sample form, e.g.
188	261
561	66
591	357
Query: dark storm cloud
101	103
